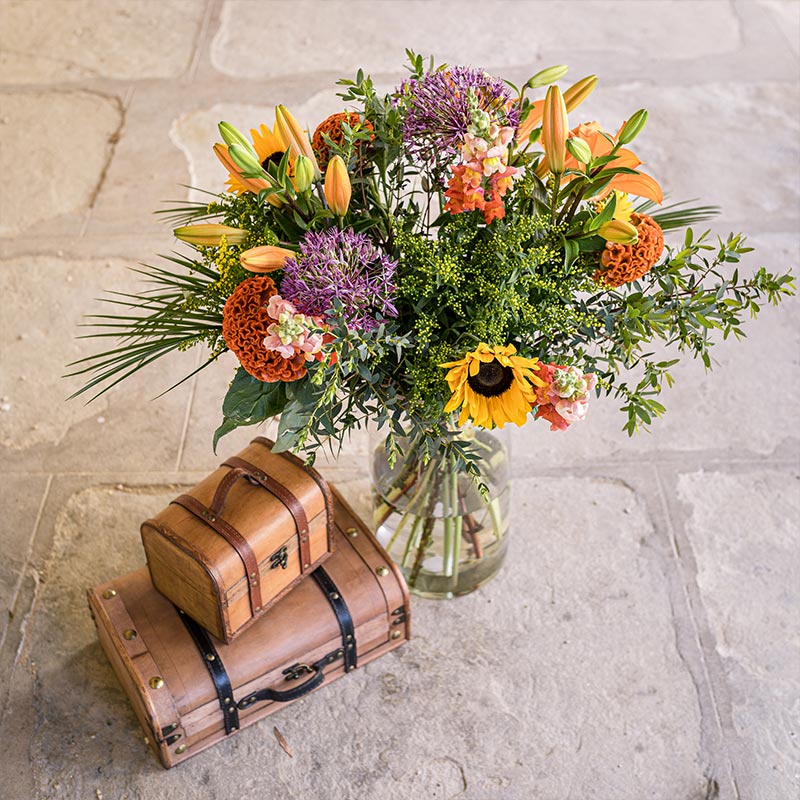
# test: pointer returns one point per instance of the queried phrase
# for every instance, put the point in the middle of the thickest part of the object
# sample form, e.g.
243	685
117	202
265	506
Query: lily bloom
600	143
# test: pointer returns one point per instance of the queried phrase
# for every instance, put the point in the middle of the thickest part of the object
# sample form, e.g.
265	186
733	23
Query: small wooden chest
226	551
190	691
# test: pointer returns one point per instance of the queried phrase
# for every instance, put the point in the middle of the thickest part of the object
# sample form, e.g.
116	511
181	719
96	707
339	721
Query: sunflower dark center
273	158
492	379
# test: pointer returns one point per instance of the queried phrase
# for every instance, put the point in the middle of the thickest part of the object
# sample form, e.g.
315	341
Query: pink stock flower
292	333
565	397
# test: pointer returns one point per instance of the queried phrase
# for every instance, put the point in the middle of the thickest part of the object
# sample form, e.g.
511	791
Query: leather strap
343	617
244	468
217	671
234	539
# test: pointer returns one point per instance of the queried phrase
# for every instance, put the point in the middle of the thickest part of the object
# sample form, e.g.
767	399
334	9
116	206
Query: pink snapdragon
292	332
484	176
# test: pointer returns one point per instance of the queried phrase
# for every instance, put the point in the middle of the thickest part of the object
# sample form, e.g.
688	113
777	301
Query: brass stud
227	700
180	749
130	634
258	608
211	657
333	596
254	575
109	593
233	728
352	533
306	566
349	637
156	682
396	634
382	571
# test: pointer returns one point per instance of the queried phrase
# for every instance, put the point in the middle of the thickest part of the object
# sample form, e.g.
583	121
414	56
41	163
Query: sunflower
270	148
493	386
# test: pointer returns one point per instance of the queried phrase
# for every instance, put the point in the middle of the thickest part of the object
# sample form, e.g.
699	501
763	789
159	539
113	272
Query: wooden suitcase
227	550
190	691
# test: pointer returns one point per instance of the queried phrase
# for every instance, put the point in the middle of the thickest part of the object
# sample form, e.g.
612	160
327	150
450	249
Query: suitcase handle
297	691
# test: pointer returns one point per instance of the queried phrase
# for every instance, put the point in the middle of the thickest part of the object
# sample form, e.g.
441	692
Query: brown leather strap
240	466
234	539
221	495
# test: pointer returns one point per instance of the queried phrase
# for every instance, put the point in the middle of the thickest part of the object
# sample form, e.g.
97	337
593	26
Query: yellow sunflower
270	148
493	386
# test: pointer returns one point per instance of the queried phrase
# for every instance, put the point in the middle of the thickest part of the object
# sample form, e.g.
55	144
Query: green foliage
525	279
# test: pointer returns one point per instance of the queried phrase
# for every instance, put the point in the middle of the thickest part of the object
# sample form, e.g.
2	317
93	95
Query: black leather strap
216	669
342	615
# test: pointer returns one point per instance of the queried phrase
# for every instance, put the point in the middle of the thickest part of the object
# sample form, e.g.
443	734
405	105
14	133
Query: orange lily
579	91
237	182
337	186
600	143
573	97
266	258
554	130
210	234
295	137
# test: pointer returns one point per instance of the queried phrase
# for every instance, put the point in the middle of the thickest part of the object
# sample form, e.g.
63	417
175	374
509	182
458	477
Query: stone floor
642	641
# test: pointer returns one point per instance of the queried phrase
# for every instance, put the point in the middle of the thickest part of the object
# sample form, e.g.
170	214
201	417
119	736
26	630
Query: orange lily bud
579	91
267	258
555	129
210	234
619	231
337	186
295	137
254	185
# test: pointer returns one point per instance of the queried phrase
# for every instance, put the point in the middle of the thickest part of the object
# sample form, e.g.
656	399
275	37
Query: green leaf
249	401
292	421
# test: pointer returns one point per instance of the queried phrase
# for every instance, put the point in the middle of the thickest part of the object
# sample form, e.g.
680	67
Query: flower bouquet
439	261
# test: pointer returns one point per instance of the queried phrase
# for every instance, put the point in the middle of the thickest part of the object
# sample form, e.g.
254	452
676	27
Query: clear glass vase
447	536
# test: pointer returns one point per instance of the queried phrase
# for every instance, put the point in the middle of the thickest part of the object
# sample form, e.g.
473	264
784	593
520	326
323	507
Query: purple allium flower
440	107
342	265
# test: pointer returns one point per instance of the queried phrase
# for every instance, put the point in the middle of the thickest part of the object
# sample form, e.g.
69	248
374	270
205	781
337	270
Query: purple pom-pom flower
344	266
440	107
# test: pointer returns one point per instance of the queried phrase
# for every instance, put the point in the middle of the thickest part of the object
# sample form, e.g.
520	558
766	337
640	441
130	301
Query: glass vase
447	535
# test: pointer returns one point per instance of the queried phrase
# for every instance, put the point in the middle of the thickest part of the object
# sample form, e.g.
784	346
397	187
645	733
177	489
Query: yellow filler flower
493	386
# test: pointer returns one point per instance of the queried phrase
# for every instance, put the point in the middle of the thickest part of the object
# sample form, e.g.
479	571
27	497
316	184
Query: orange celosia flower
622	263
332	128
245	324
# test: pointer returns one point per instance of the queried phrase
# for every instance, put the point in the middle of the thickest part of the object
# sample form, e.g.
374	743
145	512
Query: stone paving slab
350	38
24	495
84	40
560	653
743	530
44	177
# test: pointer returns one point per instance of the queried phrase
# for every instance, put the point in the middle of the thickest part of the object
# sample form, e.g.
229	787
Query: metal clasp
280	558
296	670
